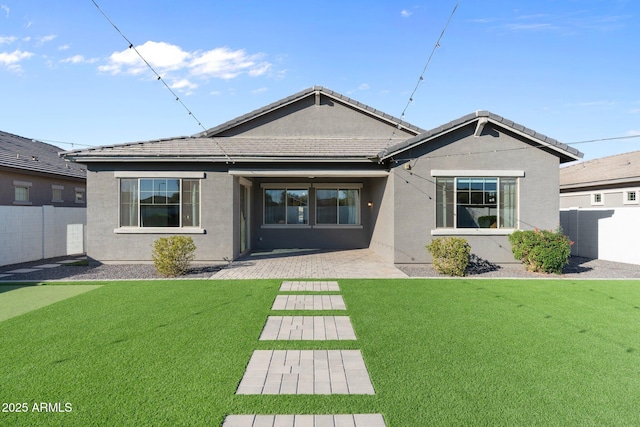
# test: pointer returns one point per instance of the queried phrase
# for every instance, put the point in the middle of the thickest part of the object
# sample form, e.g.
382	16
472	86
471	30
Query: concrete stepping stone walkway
343	420
306	372
307	286
308	328
299	372
309	302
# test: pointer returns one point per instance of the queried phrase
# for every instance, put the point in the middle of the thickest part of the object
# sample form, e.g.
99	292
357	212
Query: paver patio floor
310	264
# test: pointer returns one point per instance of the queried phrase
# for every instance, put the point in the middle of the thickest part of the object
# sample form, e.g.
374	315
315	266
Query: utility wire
424	70
158	76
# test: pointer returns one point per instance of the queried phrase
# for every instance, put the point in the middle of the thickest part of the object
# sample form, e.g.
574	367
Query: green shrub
173	255
542	251
450	255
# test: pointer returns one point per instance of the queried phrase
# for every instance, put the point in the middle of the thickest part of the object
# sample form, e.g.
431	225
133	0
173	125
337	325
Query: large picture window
159	202
338	206
476	202
286	206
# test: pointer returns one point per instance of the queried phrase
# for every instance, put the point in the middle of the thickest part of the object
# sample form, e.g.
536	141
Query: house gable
484	123
316	113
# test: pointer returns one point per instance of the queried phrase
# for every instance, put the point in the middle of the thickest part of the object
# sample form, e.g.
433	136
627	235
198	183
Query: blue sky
567	69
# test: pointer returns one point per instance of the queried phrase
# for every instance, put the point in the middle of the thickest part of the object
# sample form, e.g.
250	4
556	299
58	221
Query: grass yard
439	352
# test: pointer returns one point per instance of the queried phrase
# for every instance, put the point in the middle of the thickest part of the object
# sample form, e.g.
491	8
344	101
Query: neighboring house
42	201
32	174
320	170
600	207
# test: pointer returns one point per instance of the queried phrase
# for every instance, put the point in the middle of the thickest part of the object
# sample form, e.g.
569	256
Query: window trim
83	191
593	199
285	186
338	186
625	197
443	231
26	185
159	230
55	188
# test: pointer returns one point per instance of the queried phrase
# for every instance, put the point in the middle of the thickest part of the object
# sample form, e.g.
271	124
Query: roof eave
564	155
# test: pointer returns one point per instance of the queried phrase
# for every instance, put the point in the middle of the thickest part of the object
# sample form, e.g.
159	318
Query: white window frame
599	195
628	193
286	187
498	174
199	176
23	185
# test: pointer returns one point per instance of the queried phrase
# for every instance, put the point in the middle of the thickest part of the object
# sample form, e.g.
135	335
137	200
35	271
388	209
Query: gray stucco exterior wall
495	149
106	245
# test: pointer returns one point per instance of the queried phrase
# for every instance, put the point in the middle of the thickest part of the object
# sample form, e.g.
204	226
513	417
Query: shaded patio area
310	264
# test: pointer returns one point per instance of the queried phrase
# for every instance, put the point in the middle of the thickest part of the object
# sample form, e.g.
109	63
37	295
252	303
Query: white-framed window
22	192
597	199
159	202
79	194
337	204
56	193
286	205
477	202
631	197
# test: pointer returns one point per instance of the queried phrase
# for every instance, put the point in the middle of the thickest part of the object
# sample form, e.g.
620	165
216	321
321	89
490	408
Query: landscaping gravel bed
578	268
582	268
96	271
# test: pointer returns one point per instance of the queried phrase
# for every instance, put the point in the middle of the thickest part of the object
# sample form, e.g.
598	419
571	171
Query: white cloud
181	66
5	8
11	60
633	132
46	39
227	64
363	86
536	26
64	47
183	84
79	59
163	56
405	13
7	39
634	111
260	90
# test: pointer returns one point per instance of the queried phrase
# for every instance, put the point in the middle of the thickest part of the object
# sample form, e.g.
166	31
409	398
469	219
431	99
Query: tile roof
611	170
566	152
239	148
17	152
303	94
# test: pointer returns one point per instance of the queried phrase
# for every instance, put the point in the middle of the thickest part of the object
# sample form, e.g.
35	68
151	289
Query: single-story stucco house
320	170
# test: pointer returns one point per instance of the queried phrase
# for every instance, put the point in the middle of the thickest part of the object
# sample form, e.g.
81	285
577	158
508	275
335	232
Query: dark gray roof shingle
617	169
239	148
566	152
17	152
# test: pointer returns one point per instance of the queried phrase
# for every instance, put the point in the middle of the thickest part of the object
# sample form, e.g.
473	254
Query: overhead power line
158	76
424	70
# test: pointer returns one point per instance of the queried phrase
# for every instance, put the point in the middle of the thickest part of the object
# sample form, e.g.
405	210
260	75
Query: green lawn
439	352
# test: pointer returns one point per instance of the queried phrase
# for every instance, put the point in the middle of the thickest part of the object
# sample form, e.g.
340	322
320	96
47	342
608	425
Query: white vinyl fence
610	234
31	233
